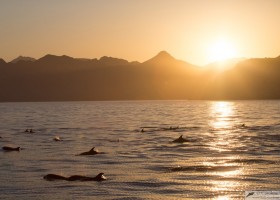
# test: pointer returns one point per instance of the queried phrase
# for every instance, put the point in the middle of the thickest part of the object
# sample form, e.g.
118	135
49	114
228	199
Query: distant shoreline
163	77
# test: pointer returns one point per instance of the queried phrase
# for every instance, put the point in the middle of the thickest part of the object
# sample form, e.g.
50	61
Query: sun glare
222	49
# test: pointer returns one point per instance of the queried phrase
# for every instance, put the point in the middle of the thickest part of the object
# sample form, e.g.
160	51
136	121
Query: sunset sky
197	31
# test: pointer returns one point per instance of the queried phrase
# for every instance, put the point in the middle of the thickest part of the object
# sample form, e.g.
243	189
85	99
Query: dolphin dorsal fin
100	177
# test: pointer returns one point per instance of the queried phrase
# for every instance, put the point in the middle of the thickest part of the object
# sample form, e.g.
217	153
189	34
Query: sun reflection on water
221	123
230	174
222	198
220	113
223	140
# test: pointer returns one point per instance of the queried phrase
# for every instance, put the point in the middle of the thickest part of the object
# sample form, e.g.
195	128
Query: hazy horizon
198	32
174	56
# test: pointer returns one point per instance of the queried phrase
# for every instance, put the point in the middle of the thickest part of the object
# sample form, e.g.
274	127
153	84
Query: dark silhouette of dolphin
250	194
6	148
90	152
53	177
180	140
29	131
57	138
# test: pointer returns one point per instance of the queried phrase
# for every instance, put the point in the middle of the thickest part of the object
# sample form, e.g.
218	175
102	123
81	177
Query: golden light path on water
224	140
220	113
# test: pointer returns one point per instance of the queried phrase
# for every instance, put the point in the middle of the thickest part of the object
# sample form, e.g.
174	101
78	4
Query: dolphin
180	140
53	177
57	138
6	148
90	152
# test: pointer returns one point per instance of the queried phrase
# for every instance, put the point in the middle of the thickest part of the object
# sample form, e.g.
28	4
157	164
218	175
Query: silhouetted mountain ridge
163	77
161	56
23	58
112	61
54	58
164	58
225	64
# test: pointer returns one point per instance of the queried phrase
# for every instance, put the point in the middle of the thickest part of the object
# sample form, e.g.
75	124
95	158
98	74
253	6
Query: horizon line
212	62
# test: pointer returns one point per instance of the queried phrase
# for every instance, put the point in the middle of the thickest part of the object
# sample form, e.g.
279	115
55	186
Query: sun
222	49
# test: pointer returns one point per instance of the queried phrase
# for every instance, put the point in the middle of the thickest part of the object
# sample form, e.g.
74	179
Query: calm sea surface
222	158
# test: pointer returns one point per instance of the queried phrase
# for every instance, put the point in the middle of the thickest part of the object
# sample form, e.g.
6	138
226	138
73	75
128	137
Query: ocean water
231	147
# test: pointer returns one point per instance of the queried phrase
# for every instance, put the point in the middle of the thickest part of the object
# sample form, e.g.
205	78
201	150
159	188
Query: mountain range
63	78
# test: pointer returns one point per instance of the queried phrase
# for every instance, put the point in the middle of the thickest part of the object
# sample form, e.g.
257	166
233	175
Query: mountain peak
23	58
162	57
53	58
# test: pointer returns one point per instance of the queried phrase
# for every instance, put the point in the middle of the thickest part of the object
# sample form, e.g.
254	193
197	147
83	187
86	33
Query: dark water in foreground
221	160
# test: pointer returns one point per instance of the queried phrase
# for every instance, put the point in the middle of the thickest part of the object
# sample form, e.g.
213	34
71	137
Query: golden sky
137	30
